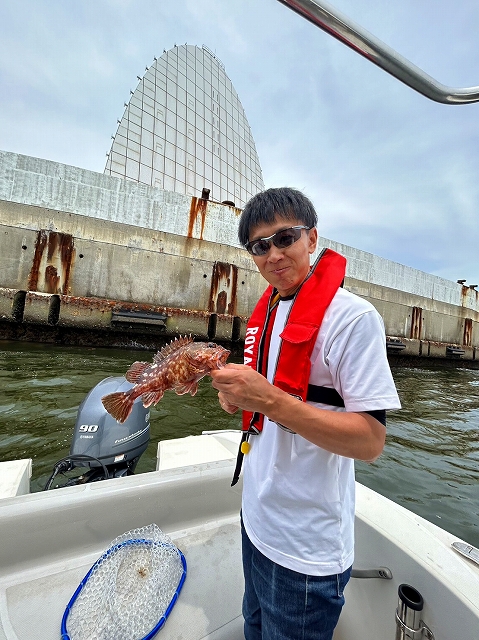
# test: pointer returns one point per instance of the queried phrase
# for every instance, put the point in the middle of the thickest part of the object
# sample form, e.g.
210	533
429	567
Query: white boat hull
49	541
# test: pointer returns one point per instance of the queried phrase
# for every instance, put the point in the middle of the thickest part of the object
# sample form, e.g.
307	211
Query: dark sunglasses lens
282	239
260	247
286	238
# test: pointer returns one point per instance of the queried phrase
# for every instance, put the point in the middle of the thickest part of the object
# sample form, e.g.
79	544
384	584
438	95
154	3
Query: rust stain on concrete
52	262
198	208
467	338
223	292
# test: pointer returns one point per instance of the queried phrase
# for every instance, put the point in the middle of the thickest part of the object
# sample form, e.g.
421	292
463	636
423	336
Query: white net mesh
129	588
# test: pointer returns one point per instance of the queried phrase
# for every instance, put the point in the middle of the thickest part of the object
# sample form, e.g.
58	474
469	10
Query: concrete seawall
84	252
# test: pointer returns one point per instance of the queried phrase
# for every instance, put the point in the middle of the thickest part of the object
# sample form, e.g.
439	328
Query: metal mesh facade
184	129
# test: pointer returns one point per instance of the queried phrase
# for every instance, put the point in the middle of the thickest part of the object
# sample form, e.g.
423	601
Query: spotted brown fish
179	366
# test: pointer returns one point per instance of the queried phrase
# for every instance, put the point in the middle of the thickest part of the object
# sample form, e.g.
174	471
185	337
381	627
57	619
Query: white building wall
184	129
34	181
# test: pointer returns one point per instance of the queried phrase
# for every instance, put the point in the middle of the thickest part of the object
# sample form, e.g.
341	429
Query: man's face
286	268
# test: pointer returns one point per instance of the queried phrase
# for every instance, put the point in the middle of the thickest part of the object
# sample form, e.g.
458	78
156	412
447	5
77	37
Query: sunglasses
281	239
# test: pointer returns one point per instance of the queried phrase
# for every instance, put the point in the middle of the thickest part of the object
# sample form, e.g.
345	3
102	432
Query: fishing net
130	591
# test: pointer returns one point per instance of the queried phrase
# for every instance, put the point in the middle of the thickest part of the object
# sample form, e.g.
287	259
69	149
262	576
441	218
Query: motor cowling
99	435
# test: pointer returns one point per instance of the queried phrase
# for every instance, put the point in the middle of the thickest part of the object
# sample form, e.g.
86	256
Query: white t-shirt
298	499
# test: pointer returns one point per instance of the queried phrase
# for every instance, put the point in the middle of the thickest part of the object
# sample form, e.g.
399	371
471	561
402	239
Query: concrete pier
82	253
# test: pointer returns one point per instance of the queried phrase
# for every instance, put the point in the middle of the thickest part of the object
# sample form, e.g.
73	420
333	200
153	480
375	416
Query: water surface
430	463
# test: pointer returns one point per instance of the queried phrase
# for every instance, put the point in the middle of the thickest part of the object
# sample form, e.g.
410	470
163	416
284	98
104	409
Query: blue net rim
109	552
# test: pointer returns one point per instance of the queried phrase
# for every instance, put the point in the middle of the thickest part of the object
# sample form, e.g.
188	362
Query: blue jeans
281	604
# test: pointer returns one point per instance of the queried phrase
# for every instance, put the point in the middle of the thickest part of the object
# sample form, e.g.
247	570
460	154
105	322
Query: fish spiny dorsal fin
171	348
134	372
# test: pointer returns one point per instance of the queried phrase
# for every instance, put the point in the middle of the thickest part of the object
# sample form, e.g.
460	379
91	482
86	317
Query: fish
178	366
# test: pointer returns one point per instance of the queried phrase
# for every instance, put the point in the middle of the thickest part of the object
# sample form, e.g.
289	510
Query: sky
388	170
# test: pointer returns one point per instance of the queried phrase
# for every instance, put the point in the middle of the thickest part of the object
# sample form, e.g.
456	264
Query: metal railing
354	36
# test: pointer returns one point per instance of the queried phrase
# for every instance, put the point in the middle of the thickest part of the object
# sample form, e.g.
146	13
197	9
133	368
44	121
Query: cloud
389	171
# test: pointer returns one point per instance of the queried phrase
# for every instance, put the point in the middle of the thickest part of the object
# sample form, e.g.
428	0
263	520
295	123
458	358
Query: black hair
266	206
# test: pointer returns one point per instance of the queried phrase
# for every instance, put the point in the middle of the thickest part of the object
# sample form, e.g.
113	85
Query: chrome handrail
366	44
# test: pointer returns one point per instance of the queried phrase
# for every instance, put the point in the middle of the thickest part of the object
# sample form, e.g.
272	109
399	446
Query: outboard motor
100	443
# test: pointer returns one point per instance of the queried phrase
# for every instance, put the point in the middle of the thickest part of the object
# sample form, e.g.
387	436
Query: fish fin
118	405
194	389
189	387
171	348
134	372
152	397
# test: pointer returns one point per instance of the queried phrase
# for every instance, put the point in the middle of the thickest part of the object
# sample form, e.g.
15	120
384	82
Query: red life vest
297	338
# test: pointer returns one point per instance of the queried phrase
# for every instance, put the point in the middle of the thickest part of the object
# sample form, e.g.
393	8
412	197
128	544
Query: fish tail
118	405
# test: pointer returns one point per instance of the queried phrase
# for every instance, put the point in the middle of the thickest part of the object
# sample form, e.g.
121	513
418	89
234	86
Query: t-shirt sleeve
359	367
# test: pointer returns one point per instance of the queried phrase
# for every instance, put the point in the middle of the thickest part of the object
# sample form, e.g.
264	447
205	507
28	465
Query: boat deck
50	540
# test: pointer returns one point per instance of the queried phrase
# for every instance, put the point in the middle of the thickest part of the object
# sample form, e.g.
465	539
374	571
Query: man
314	391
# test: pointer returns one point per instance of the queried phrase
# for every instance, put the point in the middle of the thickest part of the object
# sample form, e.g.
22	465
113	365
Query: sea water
430	463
